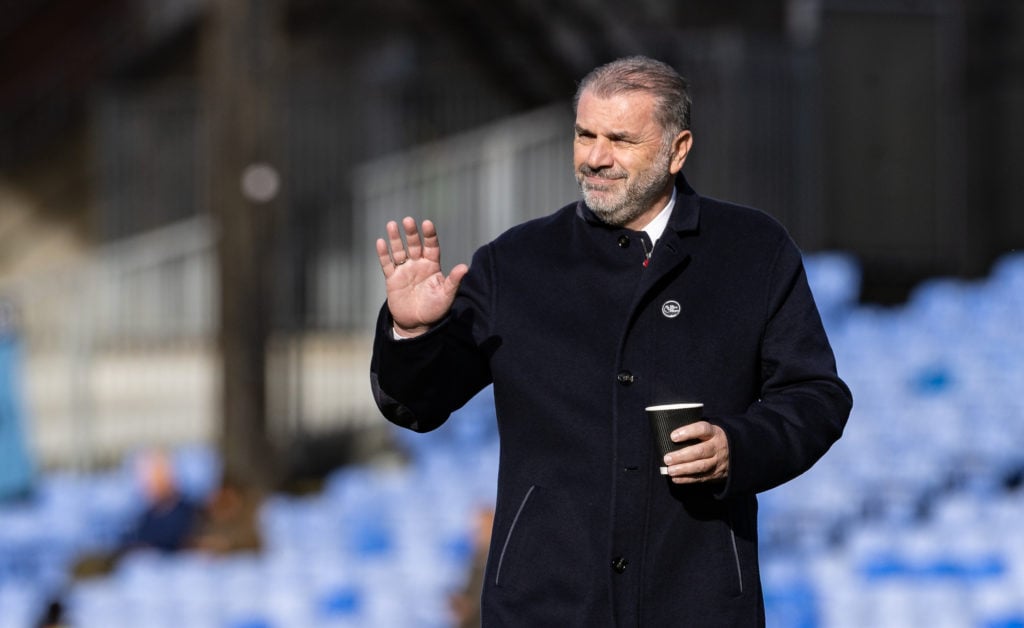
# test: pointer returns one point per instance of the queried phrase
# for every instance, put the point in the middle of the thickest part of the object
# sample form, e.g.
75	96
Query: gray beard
637	198
616	214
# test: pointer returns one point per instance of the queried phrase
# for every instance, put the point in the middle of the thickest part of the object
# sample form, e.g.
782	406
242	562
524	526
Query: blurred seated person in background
170	517
16	468
230	520
171	521
465	604
165	524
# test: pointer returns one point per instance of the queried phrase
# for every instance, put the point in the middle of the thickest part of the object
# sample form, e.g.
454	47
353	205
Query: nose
600	154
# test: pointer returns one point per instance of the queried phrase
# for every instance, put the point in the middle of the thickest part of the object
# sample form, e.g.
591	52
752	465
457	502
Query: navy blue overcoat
578	336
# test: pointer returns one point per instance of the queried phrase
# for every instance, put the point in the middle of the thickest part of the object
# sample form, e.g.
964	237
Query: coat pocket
511	532
546	549
720	541
736	558
742	520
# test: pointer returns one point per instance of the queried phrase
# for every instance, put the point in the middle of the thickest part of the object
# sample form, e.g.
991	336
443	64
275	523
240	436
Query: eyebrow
614	135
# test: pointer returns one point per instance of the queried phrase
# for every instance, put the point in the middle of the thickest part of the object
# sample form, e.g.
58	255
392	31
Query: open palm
419	294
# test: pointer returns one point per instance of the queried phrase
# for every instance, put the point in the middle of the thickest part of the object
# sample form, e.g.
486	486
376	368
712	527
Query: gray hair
643	74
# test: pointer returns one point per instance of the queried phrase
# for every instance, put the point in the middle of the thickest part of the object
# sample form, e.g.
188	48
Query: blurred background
189	195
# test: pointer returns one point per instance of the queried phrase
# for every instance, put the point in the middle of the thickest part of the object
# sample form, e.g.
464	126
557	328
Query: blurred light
260	183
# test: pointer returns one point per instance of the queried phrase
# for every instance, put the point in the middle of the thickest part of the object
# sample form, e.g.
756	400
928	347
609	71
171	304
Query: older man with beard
641	293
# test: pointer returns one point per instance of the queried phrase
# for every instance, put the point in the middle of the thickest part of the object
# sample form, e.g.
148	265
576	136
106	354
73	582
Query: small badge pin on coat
670	309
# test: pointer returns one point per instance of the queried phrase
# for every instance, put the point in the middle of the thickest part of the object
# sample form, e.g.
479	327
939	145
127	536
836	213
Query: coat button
623	242
619	564
625	378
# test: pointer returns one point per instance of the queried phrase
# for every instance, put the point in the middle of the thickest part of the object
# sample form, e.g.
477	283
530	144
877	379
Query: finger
431	245
451	284
692	452
384	257
685	471
701	430
412	238
699	471
395	243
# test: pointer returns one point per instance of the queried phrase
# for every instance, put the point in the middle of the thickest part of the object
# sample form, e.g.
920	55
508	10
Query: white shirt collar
656	227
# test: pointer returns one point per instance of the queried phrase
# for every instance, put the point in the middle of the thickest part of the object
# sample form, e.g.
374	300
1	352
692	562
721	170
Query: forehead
626	111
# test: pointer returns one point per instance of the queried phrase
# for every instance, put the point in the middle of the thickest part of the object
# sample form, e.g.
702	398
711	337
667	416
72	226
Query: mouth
598	181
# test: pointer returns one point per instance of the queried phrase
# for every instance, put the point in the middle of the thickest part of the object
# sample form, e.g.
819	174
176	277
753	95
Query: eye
583	134
622	140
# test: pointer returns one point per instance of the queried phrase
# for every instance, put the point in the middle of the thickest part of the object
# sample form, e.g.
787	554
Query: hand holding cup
665	419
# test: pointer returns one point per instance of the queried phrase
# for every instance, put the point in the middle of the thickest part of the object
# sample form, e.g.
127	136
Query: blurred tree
243	58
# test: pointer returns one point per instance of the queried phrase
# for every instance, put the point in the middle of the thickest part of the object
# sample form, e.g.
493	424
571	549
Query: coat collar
686	214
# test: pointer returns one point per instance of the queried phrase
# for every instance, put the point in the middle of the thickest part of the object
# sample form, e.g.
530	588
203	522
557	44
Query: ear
680	149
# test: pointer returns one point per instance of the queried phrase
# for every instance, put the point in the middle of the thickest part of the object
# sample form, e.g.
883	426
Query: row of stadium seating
910	520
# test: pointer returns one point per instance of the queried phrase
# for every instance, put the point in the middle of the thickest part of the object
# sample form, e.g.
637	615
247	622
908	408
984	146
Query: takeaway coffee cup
664	419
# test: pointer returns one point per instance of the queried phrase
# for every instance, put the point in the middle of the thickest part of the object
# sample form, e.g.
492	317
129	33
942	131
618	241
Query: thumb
451	283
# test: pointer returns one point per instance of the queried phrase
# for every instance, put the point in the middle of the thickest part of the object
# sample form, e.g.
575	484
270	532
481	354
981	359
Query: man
643	293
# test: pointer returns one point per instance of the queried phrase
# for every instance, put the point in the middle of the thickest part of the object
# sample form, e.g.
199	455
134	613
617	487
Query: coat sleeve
417	383
803	404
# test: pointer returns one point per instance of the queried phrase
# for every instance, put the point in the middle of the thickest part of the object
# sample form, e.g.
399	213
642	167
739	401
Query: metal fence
473	186
121	349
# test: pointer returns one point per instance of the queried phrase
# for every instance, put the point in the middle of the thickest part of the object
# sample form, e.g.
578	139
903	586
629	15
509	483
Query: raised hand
419	295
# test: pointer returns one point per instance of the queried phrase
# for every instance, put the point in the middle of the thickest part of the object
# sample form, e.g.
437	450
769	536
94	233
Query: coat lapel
673	251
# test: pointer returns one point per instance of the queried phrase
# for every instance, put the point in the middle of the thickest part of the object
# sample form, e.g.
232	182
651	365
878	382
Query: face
623	164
